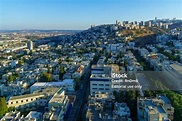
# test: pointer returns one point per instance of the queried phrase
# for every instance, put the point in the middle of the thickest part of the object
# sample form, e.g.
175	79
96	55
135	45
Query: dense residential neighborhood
68	76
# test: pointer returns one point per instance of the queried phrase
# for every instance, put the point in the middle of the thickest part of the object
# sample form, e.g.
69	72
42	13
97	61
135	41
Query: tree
148	93
10	78
62	72
60	61
46	77
0	76
3	106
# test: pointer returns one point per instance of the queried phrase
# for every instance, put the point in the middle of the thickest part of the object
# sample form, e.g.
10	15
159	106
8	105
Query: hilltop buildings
110	49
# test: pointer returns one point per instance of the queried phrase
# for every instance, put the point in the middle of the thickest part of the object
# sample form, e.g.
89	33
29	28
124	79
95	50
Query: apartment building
57	106
33	116
100	79
31	101
12	116
67	84
100	83
155	109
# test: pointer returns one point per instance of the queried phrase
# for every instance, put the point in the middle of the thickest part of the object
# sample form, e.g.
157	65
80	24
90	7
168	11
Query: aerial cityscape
90	60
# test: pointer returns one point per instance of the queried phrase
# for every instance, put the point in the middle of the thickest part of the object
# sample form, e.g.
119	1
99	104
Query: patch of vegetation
171	56
3	106
46	77
13	76
175	98
142	61
62	72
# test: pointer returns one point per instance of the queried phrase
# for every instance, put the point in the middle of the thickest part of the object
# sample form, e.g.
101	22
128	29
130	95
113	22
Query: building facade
30	45
155	109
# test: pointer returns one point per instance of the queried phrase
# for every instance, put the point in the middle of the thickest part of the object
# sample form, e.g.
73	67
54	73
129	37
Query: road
80	96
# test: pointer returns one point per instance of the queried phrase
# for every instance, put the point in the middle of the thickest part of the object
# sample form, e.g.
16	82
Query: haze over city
80	14
90	60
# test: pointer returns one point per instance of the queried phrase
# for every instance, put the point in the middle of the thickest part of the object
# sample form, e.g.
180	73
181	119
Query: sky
81	14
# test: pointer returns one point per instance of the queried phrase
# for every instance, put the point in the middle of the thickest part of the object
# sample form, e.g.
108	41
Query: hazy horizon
81	14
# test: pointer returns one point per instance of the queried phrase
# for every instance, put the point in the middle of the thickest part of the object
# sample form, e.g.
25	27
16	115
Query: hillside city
125	71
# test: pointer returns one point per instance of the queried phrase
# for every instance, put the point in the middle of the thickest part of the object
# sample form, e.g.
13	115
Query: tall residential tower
30	45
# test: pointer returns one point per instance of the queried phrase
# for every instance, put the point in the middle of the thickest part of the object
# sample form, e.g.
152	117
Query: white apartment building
57	106
12	116
155	109
29	101
33	116
67	84
100	83
100	79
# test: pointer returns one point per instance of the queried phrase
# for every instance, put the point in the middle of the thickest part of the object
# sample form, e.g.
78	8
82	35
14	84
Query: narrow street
80	97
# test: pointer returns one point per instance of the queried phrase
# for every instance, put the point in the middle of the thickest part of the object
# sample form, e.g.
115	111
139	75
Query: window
106	84
101	88
94	88
106	88
11	102
32	99
21	100
27	100
101	84
16	101
94	84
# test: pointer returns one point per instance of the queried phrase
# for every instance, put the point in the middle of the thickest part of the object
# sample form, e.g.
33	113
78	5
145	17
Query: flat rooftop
97	66
25	96
153	109
99	76
50	90
44	84
58	99
33	114
165	99
177	68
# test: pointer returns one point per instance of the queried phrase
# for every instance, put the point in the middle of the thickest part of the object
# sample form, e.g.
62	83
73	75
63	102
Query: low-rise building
12	116
57	106
154	109
33	116
31	101
67	84
121	109
100	107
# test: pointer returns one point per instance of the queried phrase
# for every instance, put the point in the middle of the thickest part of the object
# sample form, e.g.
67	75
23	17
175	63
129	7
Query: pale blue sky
80	14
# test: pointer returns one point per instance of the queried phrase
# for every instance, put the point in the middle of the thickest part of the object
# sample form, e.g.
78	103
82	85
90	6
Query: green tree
46	77
62	72
3	106
10	109
148	93
10	78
